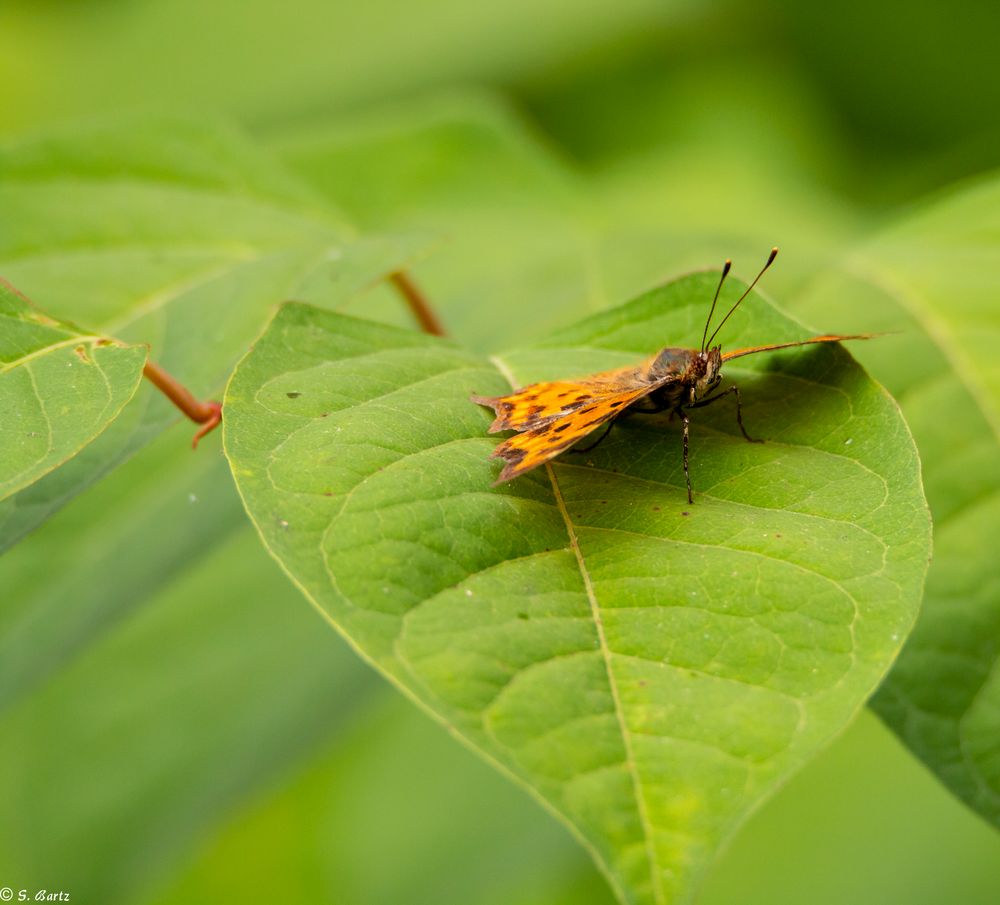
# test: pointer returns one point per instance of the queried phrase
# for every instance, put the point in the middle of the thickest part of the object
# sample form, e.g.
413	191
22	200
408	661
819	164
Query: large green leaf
177	235
650	670
60	387
934	279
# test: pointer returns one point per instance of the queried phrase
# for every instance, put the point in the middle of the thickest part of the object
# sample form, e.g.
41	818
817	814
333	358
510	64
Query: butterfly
550	417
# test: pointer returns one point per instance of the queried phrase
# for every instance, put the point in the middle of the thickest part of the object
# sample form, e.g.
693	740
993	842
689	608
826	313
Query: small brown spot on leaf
293	395
81	353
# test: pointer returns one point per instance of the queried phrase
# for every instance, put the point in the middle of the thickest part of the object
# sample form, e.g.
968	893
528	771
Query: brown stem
418	303
207	414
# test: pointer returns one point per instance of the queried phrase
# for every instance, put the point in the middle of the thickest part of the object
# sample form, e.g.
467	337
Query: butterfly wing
552	416
540	403
536	405
826	338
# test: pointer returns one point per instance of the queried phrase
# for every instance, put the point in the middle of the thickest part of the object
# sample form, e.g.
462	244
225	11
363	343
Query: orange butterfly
550	417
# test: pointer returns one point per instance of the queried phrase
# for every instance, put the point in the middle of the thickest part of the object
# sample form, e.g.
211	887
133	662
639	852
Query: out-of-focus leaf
867	803
516	256
713	158
532	241
58	58
157	672
326	831
377	794
180	236
85	573
650	670
59	389
934	279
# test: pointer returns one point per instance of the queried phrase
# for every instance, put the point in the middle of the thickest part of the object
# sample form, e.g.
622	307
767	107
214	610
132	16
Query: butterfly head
706	371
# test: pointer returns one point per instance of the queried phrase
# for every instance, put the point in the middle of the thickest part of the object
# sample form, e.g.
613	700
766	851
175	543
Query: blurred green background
214	741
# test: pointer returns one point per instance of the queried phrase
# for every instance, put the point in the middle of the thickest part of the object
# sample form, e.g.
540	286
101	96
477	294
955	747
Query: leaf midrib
657	888
630	765
613	686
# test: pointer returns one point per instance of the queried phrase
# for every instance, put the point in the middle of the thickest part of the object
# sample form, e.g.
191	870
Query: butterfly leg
687	471
598	441
739	408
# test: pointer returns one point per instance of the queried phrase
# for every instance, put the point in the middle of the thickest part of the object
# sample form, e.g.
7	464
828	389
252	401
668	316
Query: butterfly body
679	377
551	416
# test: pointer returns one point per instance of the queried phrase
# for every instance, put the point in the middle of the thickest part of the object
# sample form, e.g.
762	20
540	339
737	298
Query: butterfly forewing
533	447
552	416
540	403
536	405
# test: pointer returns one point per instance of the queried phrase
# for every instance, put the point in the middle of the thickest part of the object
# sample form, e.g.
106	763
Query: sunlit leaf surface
651	670
59	389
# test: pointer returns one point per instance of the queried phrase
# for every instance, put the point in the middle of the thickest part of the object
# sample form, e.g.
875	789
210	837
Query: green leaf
379	789
651	671
517	232
172	234
155	682
531	241
59	389
280	63
934	279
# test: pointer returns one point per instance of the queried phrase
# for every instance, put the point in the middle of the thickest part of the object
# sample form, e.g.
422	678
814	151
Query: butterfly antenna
718	289
763	270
